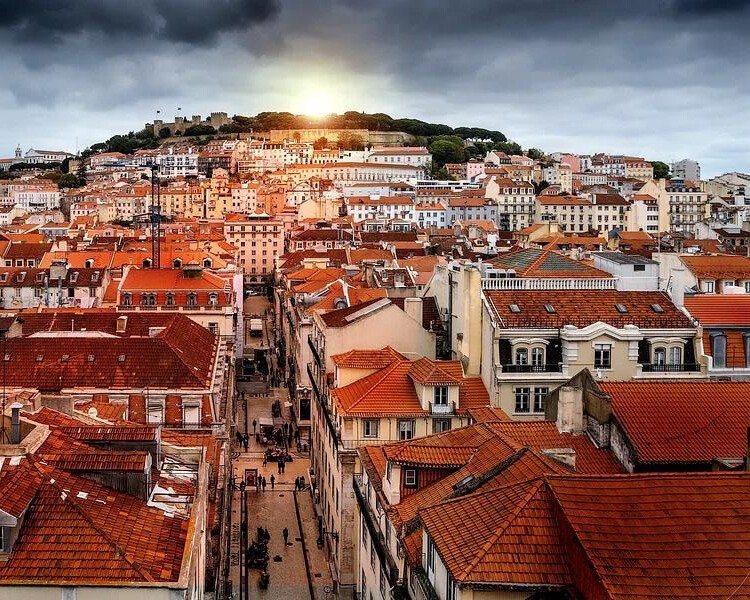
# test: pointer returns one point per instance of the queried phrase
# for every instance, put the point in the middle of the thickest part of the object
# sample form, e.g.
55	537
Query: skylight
550	309
514	308
621	308
657	308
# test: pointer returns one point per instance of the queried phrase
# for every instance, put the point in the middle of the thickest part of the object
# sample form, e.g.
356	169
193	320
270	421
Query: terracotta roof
344	316
77	531
367	359
169	279
718	267
712	310
431	372
584	307
682	422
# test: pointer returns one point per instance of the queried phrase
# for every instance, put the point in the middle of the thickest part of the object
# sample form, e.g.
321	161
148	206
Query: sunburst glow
316	103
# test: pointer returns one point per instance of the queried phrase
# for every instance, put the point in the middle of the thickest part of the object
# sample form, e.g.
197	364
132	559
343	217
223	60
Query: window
213	299
639	267
540	397
621	308
660	356
405	429
430	555
370	428
708	287
148	300
522	356
155	414
170	299
514	308
213	328
410	478
603	356
192	299
450	588
191	415
657	308
537	357
5	539
441	395
675	355
719	350
388	471
365	534
522	395
441	425
127	299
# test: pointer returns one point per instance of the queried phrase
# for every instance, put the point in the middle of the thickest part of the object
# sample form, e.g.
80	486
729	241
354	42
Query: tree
320	143
195	130
81	174
535	153
661	170
538	187
447	149
351	141
164	132
439	172
69	180
508	147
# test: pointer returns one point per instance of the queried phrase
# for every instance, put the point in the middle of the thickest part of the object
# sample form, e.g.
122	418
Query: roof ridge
383	372
534	488
535	263
90	520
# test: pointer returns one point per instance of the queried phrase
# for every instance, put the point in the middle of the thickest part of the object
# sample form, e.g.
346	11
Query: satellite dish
93	412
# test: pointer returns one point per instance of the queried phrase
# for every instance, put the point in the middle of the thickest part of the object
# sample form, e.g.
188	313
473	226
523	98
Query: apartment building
260	240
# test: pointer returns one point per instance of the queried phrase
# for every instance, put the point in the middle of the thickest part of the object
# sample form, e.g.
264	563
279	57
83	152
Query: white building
686	169
414	156
362	208
515	202
34	156
36	198
178	164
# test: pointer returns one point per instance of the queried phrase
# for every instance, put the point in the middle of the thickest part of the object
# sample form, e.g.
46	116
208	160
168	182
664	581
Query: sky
664	79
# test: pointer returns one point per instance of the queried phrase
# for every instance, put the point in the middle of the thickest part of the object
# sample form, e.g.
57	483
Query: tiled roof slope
710	309
180	356
367	359
682	422
676	536
532	262
584	307
512	537
78	531
718	267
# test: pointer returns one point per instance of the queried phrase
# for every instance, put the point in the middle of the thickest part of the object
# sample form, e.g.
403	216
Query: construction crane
154	217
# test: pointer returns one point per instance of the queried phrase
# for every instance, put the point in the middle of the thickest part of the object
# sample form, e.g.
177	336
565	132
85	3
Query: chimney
15	423
678	287
122	324
413	308
570	410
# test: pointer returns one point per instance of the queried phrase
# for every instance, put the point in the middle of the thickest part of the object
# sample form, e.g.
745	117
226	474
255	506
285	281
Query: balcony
428	590
526	283
552	368
313	383
673	368
442	409
314	350
373	525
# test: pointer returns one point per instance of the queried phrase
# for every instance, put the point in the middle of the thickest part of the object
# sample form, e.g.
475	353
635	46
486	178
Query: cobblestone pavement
275	509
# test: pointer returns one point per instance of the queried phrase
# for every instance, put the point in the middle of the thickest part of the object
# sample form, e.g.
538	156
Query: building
260	240
362	208
515	202
414	156
686	170
34	156
688	206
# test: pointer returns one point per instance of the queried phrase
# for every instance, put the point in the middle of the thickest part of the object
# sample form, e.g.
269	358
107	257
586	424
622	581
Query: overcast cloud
666	79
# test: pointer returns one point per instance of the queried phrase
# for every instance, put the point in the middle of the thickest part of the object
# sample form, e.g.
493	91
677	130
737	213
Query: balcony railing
442	409
313	383
314	350
428	590
673	368
552	368
525	283
376	536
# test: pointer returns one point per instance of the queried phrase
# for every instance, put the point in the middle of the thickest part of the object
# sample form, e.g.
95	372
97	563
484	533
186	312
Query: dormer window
148	300
192	299
213	299
441	395
177	263
621	308
127	299
170	299
550	309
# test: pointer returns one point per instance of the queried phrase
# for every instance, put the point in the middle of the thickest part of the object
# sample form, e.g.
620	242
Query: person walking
246	442
263	483
285	533
265	459
255	424
273	481
280	464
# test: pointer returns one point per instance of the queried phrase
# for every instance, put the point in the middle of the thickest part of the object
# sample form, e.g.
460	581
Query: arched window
537	357
675	355
170	299
177	263
660	356
192	299
148	299
146	263
213	299
89	264
127	299
522	356
207	263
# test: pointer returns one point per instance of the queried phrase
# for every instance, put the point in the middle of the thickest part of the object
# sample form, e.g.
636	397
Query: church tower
18	151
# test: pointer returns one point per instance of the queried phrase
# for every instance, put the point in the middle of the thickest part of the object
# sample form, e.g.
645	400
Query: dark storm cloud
664	78
194	22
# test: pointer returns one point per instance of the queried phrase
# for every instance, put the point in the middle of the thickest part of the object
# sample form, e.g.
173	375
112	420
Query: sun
316	104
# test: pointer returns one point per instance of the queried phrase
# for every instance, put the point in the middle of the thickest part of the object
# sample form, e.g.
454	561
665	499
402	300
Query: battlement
180	124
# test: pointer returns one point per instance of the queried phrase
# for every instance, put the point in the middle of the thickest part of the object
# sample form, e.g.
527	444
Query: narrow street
291	575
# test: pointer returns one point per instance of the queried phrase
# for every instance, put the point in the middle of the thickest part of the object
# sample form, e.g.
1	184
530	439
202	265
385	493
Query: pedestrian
285	533
283	466
246	442
273	481
264	484
280	464
265	459
266	535
255	424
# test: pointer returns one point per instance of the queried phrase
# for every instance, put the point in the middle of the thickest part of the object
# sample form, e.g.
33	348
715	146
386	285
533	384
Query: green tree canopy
447	149
661	170
69	180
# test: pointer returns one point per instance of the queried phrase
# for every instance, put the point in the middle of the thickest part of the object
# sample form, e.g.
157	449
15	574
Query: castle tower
18	151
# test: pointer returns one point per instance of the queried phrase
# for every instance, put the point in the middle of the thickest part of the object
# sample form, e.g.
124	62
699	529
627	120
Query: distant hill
425	133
